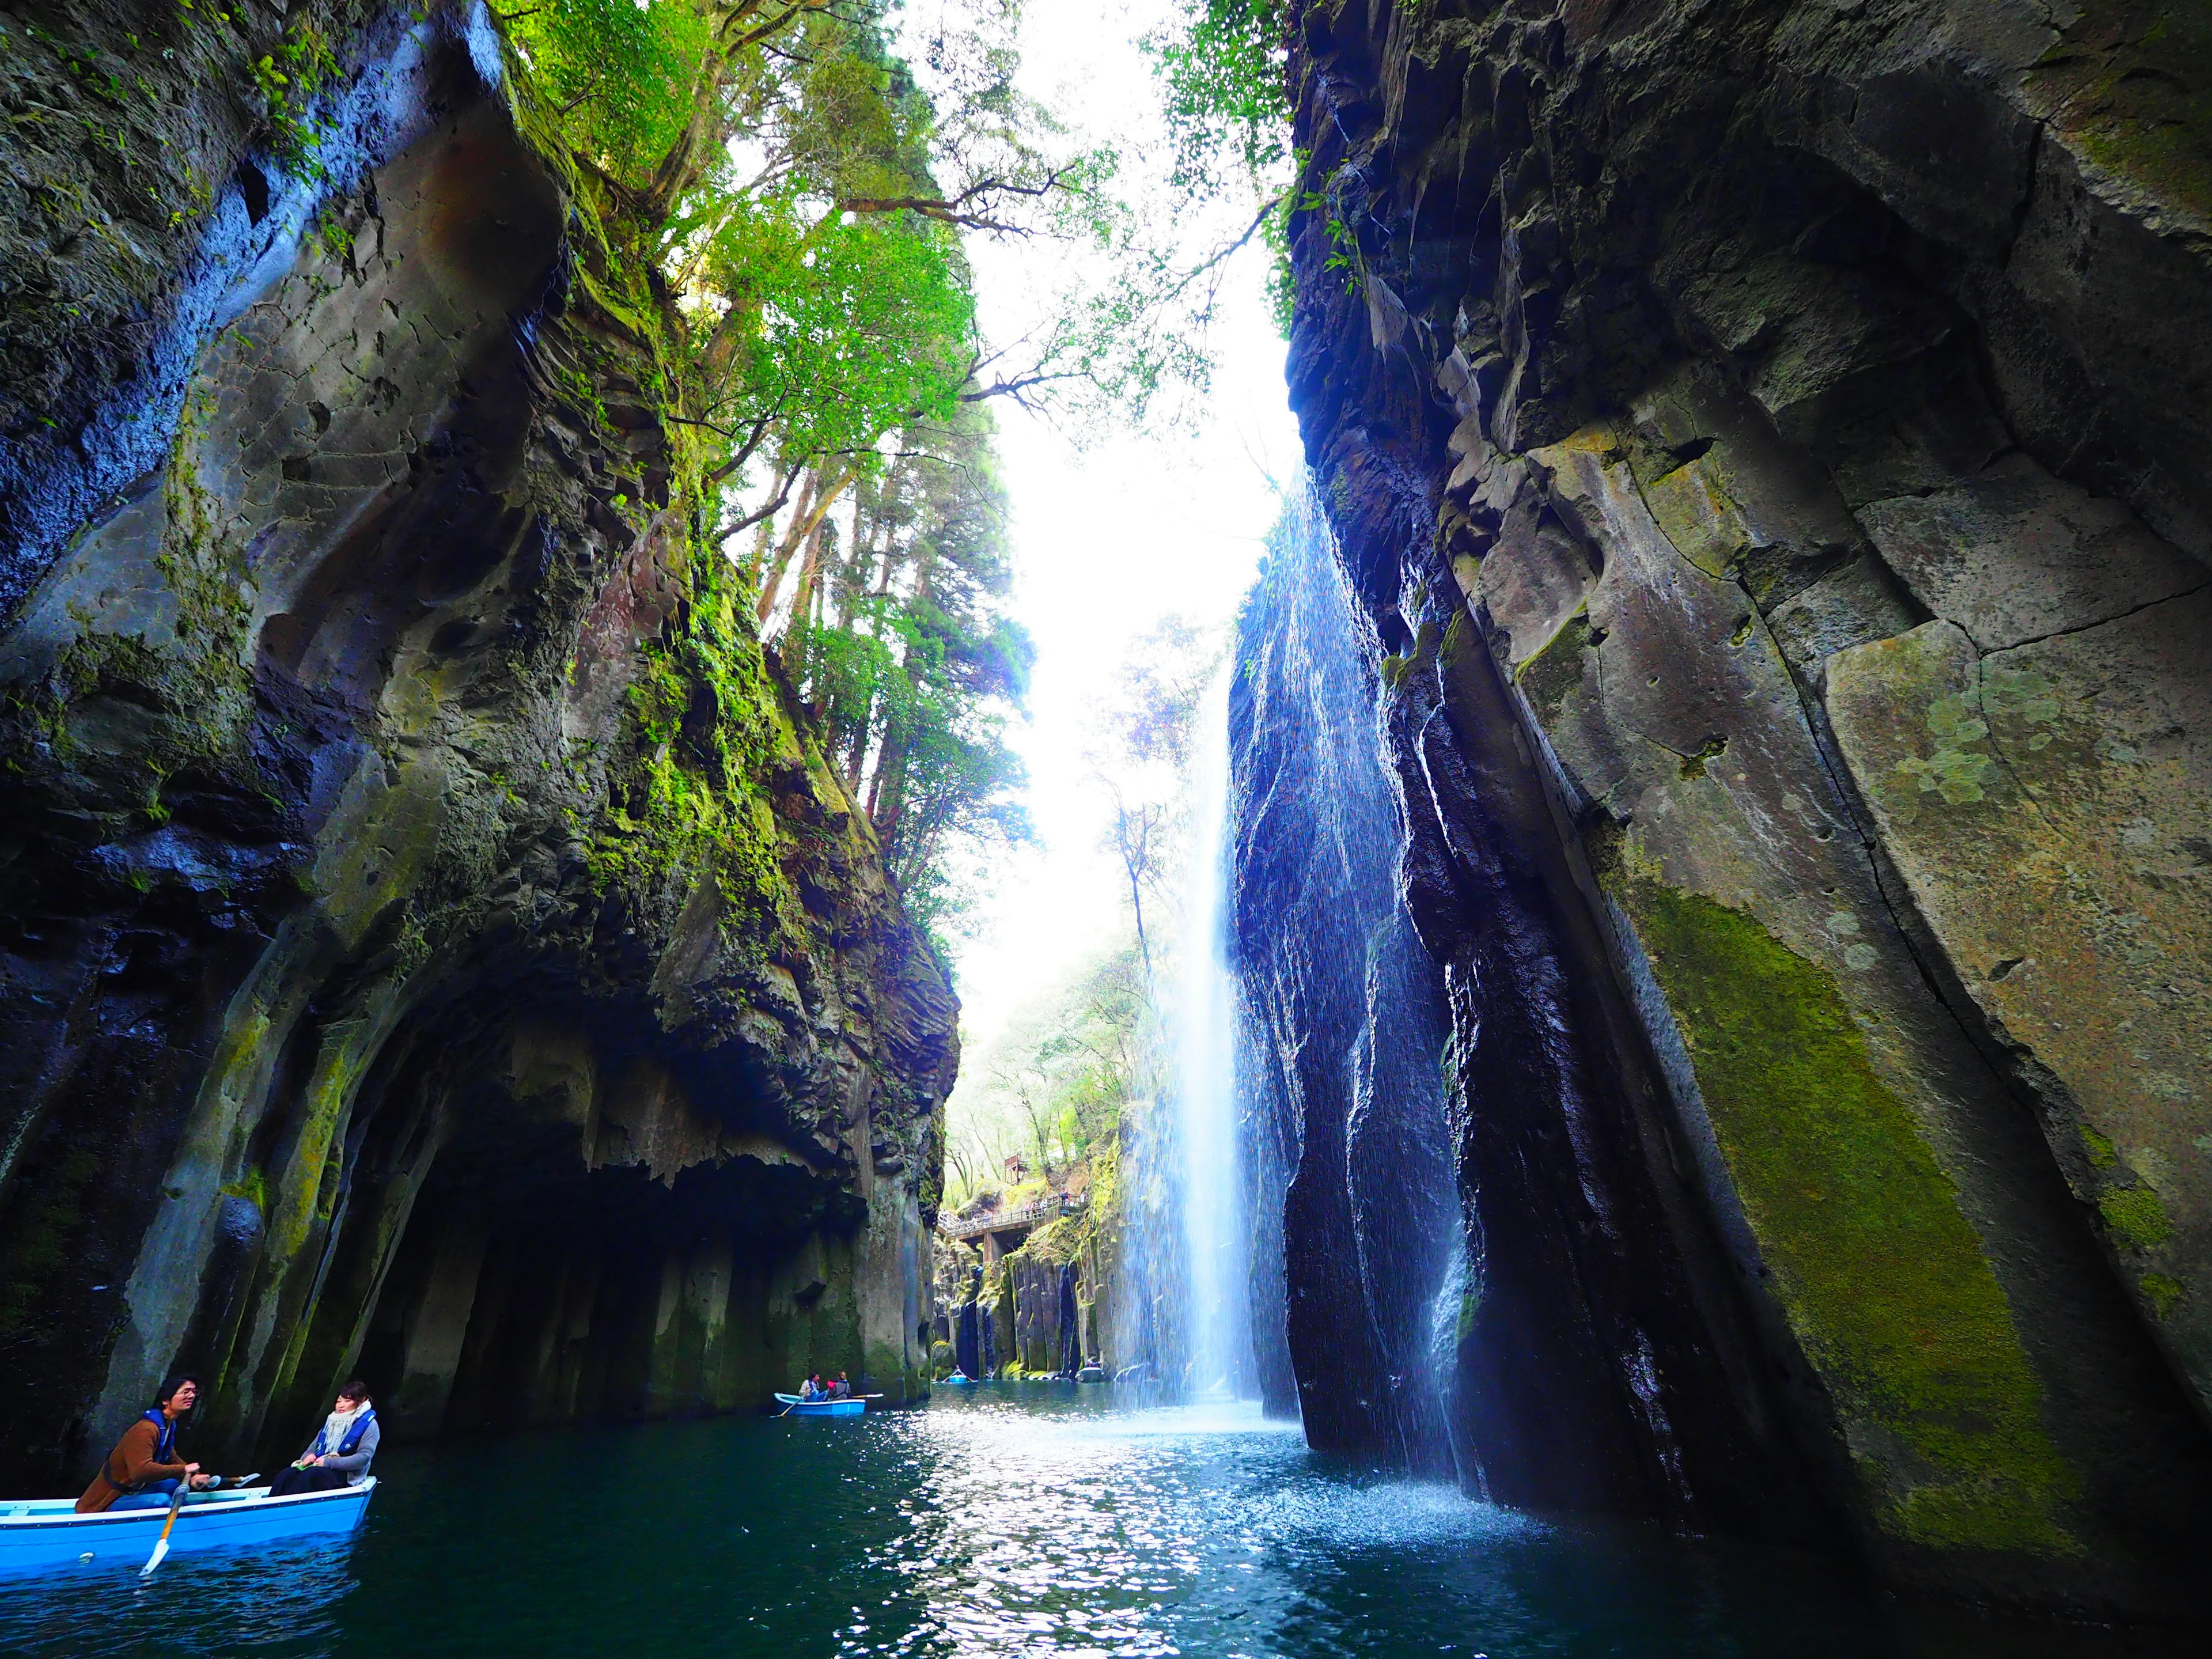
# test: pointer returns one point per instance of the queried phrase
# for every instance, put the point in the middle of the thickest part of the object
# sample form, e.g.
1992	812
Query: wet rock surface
432	946
1349	1153
1763	442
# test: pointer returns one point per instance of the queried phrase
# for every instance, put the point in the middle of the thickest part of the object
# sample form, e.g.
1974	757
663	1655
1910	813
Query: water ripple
1021	1522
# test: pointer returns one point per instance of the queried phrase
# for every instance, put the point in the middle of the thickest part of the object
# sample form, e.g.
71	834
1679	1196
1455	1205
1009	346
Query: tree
781	205
1143	759
1054	1083
768	215
1135	835
1223	66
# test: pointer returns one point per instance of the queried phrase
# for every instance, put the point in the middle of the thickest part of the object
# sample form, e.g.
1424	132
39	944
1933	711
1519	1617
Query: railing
1051	1208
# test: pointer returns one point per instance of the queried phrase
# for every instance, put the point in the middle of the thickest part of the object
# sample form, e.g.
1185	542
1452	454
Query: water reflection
1020	1521
277	1601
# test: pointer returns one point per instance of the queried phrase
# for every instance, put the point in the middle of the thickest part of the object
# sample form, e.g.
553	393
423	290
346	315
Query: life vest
347	1441
165	1451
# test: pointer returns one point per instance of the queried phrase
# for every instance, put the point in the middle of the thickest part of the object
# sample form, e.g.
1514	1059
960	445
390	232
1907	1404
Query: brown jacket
128	1468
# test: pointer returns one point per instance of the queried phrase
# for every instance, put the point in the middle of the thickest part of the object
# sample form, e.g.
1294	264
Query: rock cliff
1764	439
431	945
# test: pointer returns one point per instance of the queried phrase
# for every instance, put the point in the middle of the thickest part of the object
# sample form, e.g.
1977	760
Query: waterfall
1292	1224
1215	1238
1345	1035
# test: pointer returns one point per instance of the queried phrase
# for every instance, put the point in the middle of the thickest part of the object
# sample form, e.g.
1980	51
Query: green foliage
834	333
1223	70
912	669
288	80
767	217
622	76
1221	64
1053	1089
770	202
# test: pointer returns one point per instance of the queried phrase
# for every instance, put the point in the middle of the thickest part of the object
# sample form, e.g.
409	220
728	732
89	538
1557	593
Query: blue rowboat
822	1407
45	1534
956	1380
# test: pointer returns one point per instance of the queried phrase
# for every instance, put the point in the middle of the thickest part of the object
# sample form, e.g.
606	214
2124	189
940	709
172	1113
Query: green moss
2135	1217
2102	1155
1395	670
1470	1311
1555	672
252	1186
2163	1292
1883	1280
1694	766
705	725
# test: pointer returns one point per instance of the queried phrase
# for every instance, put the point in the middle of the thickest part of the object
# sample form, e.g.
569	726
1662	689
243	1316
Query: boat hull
45	1535
794	1407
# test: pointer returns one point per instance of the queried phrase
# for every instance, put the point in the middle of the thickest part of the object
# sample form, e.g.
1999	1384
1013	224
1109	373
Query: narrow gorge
1696	996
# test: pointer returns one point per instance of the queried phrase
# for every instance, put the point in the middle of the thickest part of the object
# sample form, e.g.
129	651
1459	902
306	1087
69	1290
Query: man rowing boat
144	1469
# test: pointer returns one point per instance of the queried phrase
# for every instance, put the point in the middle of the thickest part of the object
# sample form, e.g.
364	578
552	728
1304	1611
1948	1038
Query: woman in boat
144	1469
342	1451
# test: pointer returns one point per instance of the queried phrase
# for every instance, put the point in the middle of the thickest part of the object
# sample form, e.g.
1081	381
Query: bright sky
1109	540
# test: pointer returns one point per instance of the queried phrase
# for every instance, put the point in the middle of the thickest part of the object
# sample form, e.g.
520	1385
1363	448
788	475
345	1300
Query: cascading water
1182	1307
1291	1220
1215	1237
1345	1035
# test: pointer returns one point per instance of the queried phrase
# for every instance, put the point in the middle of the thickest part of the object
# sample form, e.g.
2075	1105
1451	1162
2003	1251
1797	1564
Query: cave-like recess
430	946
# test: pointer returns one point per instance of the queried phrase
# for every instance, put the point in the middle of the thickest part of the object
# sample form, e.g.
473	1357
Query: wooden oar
161	1544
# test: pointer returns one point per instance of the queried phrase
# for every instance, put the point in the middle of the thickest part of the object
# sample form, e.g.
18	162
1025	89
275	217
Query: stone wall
1764	439
431	945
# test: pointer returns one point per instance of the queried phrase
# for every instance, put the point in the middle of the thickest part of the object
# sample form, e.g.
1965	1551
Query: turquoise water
1021	1521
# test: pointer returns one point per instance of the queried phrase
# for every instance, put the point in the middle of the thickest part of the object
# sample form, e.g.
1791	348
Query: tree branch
1222	253
954	209
776	504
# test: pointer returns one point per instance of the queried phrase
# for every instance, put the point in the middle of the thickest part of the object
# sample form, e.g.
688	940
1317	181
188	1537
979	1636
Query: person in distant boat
342	1451
840	1389
144	1469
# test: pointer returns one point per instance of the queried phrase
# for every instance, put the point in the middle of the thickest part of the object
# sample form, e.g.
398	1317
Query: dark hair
354	1389
167	1391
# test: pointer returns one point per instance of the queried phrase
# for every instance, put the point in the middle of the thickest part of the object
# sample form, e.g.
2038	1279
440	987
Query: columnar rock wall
431	945
1358	1236
1765	436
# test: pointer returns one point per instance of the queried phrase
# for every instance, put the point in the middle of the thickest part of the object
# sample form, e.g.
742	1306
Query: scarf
342	1430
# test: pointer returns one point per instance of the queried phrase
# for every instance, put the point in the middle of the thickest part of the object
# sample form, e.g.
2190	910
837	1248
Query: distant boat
956	1380
46	1534
794	1407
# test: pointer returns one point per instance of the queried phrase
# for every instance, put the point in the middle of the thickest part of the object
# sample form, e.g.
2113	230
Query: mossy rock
1883	1280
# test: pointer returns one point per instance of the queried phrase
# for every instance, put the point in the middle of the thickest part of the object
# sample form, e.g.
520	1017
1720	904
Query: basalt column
1765	441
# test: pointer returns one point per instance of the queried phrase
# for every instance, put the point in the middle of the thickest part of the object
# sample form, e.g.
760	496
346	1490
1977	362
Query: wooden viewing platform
1004	1229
